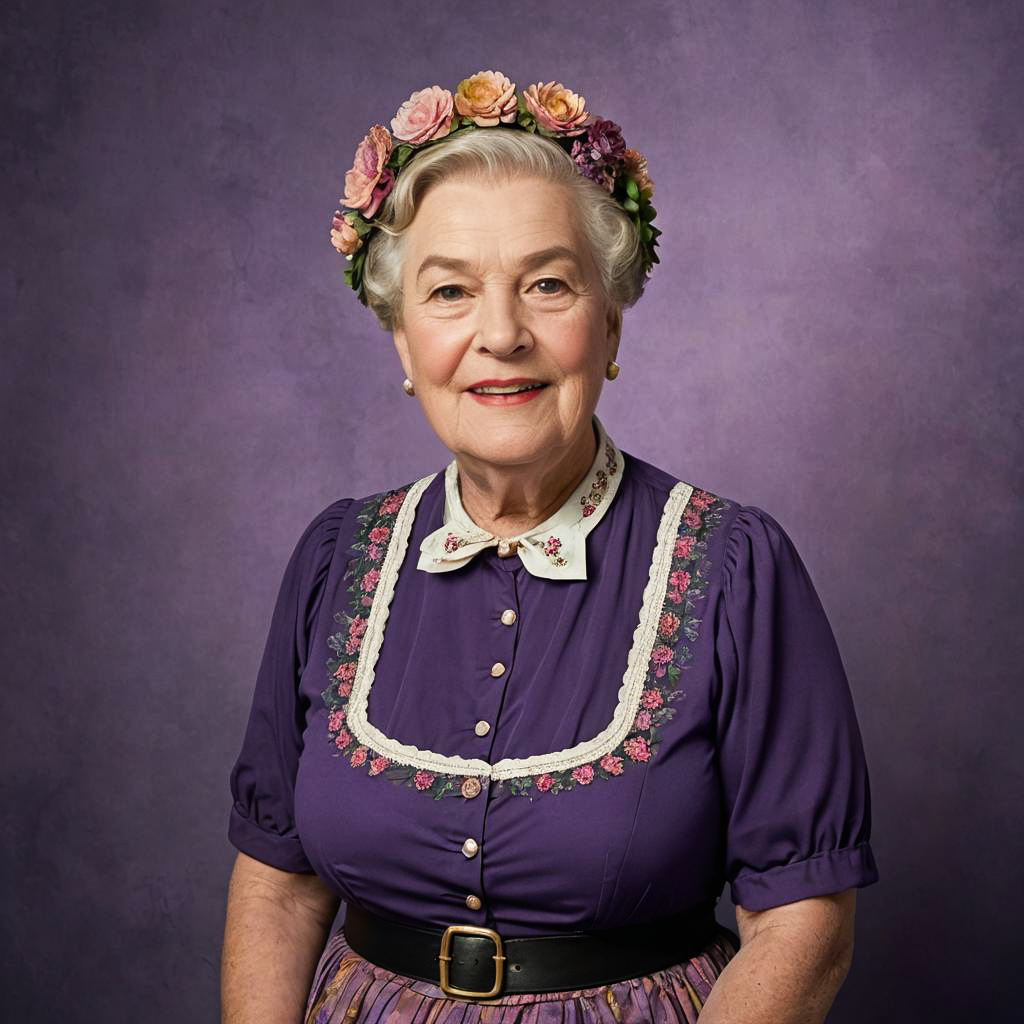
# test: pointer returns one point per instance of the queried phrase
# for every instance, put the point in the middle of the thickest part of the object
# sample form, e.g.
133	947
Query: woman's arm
791	963
275	930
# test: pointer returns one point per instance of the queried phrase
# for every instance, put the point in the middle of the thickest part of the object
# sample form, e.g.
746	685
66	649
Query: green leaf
630	206
631	190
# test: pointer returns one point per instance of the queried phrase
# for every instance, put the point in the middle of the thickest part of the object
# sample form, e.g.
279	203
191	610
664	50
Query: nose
501	330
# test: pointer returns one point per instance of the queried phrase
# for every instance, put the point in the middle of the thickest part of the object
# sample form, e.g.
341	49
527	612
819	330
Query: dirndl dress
348	989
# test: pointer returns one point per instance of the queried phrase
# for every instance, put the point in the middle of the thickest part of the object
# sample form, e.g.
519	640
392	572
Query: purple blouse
488	746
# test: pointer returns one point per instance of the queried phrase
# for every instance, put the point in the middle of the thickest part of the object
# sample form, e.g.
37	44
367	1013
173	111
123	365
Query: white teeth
505	391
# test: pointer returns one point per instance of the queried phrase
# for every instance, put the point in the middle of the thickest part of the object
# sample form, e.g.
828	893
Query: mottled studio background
834	334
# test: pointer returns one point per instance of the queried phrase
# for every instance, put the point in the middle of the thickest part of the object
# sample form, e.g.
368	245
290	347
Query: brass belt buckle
444	959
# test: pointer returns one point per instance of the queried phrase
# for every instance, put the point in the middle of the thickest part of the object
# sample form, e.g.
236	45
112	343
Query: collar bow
556	549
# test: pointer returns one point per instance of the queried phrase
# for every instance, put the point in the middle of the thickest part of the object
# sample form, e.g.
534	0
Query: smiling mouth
513	390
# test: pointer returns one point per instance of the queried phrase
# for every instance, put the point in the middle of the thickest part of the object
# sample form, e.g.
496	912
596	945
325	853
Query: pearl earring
612	370
408	387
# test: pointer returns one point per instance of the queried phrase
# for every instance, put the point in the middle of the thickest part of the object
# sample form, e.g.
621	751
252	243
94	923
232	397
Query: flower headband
489	100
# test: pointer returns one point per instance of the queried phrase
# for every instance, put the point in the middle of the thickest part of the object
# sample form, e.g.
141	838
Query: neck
510	500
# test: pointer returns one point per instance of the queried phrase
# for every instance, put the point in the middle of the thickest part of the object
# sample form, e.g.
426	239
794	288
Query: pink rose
701	499
651	699
423	780
692	518
543	782
378	764
370	580
684	547
680	579
343	739
612	764
637	749
344	689
373	552
584	774
668	624
661	655
344	237
643	721
334	720
358	757
379	534
369	181
390	506
487	98
426	115
556	108
346	670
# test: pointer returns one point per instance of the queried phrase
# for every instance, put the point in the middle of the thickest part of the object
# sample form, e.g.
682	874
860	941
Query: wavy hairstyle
502	156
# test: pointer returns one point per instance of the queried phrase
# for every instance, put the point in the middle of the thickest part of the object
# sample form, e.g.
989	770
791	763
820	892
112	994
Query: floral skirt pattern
350	990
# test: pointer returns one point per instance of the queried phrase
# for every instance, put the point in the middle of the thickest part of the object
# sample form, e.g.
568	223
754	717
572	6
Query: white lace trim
630	692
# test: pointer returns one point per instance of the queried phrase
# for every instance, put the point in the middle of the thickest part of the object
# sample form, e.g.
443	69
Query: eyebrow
531	262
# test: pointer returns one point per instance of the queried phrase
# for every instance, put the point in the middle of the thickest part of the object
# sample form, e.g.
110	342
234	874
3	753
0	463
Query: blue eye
549	281
445	290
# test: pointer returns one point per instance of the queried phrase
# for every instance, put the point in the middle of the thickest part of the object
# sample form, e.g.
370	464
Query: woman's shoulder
742	530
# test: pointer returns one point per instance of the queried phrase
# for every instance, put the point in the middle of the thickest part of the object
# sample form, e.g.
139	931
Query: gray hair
501	155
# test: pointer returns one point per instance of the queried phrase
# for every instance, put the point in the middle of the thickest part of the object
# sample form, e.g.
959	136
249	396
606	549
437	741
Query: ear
613	327
402	348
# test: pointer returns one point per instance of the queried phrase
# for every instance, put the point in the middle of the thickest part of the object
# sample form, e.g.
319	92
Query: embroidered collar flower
489	99
556	549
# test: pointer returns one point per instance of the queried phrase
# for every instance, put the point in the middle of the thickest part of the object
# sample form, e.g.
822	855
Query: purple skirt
350	990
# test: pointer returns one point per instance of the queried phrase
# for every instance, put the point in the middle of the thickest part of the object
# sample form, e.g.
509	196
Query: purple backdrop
834	334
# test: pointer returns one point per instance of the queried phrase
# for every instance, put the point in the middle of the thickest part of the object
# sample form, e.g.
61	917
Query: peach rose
636	166
487	98
368	182
344	237
556	108
426	115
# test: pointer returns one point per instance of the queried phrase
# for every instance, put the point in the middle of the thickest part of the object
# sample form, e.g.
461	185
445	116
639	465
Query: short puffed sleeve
262	820
790	756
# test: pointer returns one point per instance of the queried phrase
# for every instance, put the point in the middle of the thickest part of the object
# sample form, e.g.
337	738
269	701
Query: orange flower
556	108
487	97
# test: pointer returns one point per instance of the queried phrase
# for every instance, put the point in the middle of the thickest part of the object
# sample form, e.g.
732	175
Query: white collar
556	549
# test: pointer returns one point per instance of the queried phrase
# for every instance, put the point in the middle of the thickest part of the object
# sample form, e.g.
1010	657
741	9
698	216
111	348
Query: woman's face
499	285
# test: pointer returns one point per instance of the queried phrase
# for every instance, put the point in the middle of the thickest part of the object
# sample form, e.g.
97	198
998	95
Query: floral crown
489	100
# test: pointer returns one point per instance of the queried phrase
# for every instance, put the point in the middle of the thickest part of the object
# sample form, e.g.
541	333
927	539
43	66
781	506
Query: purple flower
600	154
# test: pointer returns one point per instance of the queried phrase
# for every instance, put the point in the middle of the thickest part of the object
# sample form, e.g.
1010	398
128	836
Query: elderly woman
526	716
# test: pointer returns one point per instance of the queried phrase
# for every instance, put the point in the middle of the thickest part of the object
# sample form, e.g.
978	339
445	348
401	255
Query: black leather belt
472	962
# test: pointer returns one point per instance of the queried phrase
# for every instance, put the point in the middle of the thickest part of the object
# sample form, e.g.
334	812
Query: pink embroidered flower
369	181
651	699
390	506
692	518
487	98
453	543
660	657
379	534
373	552
612	764
344	237
344	689
584	774
335	718
355	635
556	108
668	624
346	670
370	580
636	747
426	115
684	547
423	779
643	721
679	579
544	782
343	739
358	757
701	499
636	167
589	508
378	764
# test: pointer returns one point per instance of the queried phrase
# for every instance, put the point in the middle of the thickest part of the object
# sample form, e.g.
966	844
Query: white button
481	728
508	616
470	847
496	669
473	902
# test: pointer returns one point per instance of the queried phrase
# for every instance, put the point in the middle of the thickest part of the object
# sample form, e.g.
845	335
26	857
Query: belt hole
517	967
